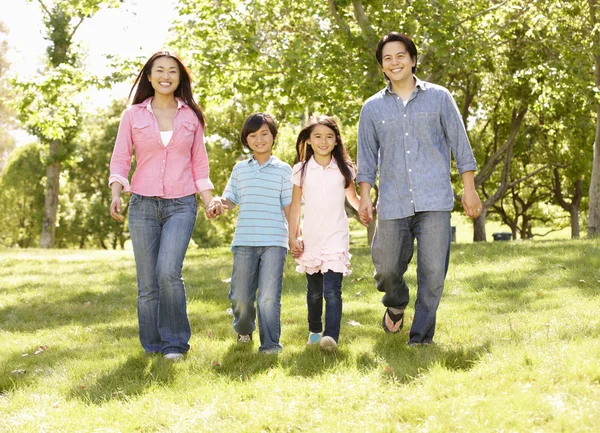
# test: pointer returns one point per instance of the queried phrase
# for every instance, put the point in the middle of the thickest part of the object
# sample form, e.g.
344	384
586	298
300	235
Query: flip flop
392	323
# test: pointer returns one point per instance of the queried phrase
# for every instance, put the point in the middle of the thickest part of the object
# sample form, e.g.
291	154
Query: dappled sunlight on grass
516	342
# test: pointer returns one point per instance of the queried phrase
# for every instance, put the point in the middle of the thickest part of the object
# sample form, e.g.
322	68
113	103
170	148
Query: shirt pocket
388	131
427	125
188	130
141	132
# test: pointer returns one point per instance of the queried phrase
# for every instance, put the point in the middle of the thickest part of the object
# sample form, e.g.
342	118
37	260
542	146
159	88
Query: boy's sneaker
328	344
314	338
174	356
244	338
272	350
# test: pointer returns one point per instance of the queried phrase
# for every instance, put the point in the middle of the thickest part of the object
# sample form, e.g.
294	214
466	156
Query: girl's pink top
325	224
172	171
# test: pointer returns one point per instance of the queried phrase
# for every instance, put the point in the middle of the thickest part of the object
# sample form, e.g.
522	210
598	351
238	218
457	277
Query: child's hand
364	216
296	247
215	208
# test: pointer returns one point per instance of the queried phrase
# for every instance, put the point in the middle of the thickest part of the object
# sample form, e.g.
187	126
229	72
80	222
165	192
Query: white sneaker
175	356
328	344
272	351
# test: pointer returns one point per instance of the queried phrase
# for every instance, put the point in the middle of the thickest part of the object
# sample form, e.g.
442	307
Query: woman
165	126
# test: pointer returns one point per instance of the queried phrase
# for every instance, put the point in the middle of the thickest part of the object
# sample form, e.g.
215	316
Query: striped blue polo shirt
261	193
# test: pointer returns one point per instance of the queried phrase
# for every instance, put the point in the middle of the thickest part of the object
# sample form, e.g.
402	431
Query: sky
137	27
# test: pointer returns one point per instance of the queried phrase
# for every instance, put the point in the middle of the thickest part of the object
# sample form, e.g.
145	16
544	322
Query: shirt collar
251	160
314	164
419	84
148	103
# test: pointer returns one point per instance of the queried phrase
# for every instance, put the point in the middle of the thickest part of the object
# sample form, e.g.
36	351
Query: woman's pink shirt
172	171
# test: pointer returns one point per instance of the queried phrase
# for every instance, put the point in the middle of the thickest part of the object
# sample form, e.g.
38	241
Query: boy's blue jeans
328	286
392	251
258	269
160	233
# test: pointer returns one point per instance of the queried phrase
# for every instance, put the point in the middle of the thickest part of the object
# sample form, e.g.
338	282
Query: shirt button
410	189
406	133
405	115
410	170
412	201
408	151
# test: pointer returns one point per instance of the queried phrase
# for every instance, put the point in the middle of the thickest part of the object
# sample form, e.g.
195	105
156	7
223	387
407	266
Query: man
409	130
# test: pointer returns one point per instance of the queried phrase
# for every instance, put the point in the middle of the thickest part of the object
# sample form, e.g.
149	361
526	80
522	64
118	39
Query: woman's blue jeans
258	269
392	251
161	230
328	286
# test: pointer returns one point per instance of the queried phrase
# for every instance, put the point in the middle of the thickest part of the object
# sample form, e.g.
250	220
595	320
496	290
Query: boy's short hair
396	37
253	123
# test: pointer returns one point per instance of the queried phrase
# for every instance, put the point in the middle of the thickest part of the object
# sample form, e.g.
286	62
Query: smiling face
396	62
164	75
261	142
322	140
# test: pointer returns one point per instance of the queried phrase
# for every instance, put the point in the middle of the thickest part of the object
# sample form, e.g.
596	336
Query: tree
49	106
7	143
22	197
594	194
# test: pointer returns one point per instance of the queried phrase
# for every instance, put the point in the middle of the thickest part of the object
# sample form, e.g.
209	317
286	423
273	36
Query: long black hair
184	90
305	151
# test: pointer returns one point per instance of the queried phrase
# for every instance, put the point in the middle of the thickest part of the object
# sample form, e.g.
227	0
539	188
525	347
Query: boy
261	186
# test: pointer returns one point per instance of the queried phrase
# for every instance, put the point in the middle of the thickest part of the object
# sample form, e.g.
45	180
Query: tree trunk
575	222
594	194
51	198
479	227
371	230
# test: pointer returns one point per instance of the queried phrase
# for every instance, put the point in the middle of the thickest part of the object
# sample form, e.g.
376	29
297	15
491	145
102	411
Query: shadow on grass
404	363
130	379
242	362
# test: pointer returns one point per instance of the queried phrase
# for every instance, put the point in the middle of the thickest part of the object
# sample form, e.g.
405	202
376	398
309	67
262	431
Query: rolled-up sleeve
120	162
456	135
368	149
200	170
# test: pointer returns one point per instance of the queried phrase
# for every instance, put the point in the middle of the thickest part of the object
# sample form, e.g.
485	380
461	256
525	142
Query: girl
323	175
261	186
165	126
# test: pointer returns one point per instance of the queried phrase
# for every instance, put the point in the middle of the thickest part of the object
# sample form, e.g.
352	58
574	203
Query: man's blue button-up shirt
412	145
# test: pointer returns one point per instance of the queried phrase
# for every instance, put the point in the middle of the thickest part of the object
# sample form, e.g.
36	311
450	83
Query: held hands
215	208
296	247
365	210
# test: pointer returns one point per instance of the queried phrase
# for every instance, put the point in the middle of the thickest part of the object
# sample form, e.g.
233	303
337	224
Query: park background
518	338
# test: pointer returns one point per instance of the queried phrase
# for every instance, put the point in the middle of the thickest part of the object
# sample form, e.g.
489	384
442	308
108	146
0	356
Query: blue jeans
328	286
392	251
258	269
160	233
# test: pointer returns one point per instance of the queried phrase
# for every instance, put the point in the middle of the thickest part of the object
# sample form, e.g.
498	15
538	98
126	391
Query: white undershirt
165	136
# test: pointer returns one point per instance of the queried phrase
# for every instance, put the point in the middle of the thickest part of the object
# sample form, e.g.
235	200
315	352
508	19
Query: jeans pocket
135	198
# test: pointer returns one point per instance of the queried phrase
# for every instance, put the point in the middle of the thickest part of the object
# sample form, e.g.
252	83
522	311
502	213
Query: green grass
518	349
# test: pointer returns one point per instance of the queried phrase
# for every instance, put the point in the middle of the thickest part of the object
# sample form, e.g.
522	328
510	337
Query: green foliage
22	197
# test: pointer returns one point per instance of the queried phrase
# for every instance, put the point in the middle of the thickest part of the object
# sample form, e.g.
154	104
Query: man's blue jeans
160	233
258	268
328	286
392	251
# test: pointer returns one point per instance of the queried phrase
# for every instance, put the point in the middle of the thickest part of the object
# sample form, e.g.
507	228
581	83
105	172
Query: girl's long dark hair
184	90
305	151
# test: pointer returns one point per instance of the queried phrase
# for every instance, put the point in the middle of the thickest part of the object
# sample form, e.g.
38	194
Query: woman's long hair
184	91
305	151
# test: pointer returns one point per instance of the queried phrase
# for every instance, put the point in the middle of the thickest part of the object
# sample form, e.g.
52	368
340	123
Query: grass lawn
518	349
